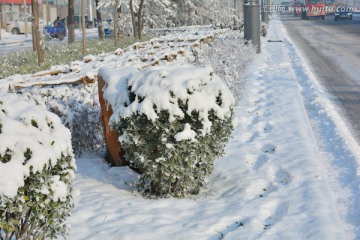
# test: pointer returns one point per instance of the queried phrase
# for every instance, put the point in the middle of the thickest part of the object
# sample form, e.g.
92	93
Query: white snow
272	183
161	87
27	126
291	170
186	134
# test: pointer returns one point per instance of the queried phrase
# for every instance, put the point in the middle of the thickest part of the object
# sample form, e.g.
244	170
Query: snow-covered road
291	170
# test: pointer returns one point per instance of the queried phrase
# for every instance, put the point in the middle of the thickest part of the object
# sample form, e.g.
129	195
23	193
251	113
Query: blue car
343	13
58	31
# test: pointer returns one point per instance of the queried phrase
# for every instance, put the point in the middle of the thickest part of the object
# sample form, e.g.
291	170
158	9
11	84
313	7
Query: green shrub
173	123
36	171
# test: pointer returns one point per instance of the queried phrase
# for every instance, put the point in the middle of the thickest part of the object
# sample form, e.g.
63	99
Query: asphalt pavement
332	50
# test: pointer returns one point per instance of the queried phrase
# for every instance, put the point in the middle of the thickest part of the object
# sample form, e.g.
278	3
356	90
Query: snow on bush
36	171
173	120
228	56
78	108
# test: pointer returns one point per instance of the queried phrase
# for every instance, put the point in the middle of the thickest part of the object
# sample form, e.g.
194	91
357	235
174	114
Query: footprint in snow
265	127
254	136
260	161
259	100
283	177
268	148
270	103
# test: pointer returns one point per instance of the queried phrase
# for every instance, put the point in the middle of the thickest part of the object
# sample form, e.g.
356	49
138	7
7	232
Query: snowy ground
291	170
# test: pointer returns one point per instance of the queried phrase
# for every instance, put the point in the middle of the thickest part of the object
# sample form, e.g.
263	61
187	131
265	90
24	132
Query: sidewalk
283	151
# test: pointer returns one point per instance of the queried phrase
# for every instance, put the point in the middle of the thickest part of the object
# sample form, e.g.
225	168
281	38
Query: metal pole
246	23
252	23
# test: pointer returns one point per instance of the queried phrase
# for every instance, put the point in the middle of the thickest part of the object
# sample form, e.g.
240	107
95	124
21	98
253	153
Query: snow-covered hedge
36	171
78	108
228	56
173	121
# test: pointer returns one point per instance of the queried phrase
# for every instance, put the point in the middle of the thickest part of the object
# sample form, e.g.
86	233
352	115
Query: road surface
332	50
13	43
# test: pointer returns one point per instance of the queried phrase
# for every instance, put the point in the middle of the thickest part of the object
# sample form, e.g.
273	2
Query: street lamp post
252	23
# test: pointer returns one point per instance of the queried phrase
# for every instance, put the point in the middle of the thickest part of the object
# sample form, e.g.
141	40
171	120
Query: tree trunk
133	18
116	25
33	35
114	152
39	51
26	19
140	25
99	21
47	12
83	26
93	13
0	21
71	21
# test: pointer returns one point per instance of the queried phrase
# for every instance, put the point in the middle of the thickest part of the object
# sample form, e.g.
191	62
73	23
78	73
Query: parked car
58	31
343	13
18	26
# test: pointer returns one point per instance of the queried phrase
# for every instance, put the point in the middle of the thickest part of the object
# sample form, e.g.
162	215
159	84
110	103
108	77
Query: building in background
49	10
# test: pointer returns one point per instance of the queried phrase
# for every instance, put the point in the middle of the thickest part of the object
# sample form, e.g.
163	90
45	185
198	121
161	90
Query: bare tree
133	20
71	21
26	19
137	25
47	12
140	20
36	32
0	23
99	21
116	23
83	26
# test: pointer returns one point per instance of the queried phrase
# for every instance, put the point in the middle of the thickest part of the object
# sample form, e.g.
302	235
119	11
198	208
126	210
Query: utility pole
252	23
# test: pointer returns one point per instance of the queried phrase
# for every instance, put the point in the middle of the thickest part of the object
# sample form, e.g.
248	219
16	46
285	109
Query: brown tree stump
113	146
